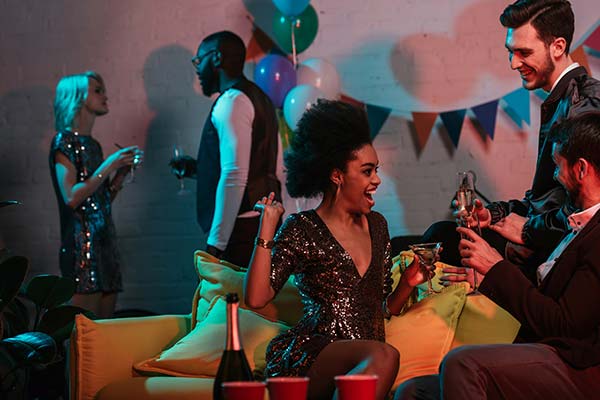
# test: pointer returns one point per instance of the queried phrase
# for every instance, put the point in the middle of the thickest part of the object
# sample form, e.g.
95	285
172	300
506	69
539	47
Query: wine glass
465	205
179	169
427	253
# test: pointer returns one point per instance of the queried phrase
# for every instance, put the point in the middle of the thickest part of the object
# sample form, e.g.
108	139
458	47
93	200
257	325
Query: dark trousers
241	242
506	371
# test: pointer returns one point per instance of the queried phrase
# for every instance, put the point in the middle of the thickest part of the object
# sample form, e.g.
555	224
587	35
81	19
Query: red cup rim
362	377
243	384
288	379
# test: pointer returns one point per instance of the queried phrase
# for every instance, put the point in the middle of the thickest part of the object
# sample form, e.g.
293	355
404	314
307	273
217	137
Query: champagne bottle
234	365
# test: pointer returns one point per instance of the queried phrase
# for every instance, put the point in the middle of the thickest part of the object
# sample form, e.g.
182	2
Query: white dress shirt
577	221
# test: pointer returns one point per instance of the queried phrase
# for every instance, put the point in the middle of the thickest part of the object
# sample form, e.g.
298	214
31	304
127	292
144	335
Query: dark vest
262	177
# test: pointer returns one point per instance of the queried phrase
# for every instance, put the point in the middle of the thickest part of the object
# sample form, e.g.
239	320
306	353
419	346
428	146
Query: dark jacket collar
563	84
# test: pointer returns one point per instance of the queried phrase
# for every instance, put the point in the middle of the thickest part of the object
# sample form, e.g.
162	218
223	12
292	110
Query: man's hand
182	166
511	227
480	212
460	274
476	253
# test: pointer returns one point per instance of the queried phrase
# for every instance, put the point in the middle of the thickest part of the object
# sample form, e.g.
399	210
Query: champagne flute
136	160
427	253
179	169
465	206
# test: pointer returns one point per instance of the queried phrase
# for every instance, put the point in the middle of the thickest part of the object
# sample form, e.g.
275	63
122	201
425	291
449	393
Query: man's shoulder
232	99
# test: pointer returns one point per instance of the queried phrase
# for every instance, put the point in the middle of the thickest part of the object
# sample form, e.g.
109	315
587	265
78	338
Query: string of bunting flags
294	87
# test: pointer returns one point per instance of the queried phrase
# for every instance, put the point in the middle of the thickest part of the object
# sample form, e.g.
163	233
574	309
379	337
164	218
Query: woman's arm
74	192
410	278
257	283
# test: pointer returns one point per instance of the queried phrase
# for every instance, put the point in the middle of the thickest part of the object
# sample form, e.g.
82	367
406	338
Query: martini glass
427	253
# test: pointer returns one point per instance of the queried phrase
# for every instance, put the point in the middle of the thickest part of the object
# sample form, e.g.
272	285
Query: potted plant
34	324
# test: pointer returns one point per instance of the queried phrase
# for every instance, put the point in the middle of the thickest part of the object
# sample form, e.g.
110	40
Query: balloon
291	8
275	75
320	74
298	100
305	30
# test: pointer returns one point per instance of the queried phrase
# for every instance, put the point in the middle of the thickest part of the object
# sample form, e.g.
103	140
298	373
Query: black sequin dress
88	251
338	303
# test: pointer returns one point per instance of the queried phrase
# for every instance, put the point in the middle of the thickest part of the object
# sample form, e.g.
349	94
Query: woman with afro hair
339	254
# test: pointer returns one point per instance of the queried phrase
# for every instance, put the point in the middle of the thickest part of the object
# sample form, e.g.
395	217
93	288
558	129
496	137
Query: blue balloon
291	8
276	76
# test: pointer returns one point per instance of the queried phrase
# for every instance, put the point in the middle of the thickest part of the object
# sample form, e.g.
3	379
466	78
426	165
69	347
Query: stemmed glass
465	205
427	253
179	169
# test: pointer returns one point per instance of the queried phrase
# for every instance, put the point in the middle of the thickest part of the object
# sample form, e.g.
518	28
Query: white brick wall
422	55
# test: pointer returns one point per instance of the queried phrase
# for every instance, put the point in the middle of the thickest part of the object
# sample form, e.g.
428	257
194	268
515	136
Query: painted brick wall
411	55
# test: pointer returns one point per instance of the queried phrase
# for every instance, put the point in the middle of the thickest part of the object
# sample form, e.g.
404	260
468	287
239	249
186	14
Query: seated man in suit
557	352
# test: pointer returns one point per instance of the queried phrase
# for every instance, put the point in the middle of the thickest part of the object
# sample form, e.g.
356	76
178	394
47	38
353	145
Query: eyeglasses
198	59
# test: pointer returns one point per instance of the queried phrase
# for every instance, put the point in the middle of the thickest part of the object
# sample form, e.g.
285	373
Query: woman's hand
125	157
271	210
415	274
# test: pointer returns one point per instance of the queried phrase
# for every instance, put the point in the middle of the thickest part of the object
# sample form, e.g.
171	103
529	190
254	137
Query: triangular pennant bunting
453	121
285	132
351	100
486	115
424	122
259	45
578	55
593	41
517	106
541	93
377	116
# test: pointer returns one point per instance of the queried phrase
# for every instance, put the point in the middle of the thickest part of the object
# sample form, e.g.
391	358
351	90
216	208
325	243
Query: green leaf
58	322
12	274
31	348
49	291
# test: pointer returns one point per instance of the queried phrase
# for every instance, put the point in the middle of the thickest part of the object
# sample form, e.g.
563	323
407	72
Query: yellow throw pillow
218	277
424	333
198	354
103	351
484	322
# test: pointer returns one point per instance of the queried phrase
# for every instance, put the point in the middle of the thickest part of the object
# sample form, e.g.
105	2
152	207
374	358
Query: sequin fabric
88	251
338	303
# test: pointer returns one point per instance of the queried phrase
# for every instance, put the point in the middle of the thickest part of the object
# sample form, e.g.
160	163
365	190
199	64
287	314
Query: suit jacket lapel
566	264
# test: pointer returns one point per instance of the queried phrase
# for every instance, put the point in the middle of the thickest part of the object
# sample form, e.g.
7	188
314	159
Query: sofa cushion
424	333
218	277
199	352
484	322
102	351
158	388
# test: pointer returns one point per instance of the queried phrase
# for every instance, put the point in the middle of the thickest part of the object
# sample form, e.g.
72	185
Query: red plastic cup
356	387
246	390
288	388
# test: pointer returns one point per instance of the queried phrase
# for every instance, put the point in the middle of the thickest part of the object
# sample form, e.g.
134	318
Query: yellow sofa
175	356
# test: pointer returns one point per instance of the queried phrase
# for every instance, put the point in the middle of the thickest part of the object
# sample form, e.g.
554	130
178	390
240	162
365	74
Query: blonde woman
85	184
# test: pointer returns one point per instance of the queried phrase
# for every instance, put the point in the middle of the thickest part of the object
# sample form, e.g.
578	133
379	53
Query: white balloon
321	74
298	100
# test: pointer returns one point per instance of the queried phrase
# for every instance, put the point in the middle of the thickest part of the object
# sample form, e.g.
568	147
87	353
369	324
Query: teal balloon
291	8
305	28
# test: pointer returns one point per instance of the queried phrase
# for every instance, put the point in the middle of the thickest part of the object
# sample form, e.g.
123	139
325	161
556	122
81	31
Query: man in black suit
557	352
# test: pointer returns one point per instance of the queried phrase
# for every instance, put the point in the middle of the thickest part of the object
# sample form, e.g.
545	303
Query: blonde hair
71	93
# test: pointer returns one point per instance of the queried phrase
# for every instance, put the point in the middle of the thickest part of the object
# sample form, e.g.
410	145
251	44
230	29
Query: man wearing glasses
237	158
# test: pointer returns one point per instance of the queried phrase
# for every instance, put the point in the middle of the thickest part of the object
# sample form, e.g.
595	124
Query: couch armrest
103	351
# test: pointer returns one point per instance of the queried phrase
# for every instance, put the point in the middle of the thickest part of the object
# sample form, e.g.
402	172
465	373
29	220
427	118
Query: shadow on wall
423	63
26	129
157	226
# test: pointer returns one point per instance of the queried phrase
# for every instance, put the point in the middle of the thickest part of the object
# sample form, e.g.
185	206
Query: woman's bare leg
108	302
351	357
89	301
